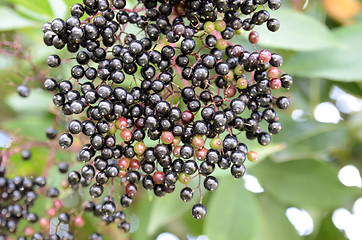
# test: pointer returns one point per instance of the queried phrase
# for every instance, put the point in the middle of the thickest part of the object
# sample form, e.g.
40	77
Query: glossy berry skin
53	61
198	211
211	183
186	194
50	84
264	138
275	83
287	81
216	143
167	137
237	171
282	102
186	151
184	177
187	117
158	177
25	154
273	25
264	56
276	60
65	140
274	4
126	135
23	91
253	37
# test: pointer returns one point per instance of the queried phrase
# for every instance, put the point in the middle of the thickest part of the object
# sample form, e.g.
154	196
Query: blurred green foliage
299	169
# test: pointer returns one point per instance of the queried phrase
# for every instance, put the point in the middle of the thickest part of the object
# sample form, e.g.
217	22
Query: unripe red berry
29	231
158	177
126	135
201	154
264	56
253	156
275	83
167	137
51	212
58	204
121	123
131	189
64	184
139	148
123	163
180	9
253	37
273	72
198	142
122	174
176	151
230	91
44	223
79	221
176	141
134	165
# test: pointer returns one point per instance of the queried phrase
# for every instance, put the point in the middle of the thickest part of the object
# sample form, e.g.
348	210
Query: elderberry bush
162	93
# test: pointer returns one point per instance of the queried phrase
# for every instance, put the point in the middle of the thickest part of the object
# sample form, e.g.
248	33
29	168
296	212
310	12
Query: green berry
221	44
216	143
209	27
242	83
252	156
184	178
220	25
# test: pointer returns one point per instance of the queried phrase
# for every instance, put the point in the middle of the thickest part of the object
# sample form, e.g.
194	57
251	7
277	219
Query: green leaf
270	229
232	212
70	2
339	64
35	103
303	183
165	210
32	167
354	88
328	231
142	211
59	8
309	139
30	126
297	31
39	6
9	20
5	61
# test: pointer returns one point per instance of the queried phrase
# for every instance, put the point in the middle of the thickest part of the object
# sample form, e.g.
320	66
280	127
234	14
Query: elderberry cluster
17	197
162	93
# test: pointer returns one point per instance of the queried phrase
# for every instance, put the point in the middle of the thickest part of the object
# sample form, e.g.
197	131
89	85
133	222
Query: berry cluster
165	103
18	197
16	200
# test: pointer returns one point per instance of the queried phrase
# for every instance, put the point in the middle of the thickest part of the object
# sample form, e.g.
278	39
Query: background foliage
321	46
